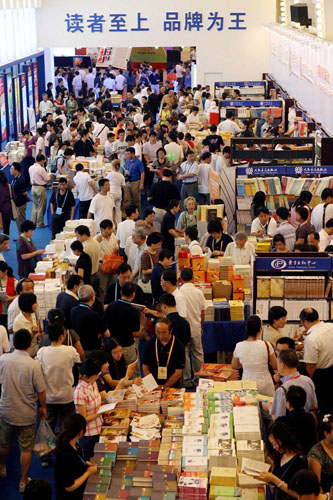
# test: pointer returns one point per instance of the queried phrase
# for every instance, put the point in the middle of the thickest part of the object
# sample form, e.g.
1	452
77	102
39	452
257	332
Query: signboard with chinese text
293	263
261	171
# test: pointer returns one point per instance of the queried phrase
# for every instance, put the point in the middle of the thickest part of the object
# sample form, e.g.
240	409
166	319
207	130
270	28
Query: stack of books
129	401
250	449
225	492
245	271
214	371
236	310
246	423
263	246
209	310
192	487
226	268
171	448
223	476
148	451
146	427
172	397
98	484
205	385
127	451
150	403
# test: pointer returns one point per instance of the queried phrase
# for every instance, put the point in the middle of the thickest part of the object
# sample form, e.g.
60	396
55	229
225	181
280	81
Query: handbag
12	202
270	369
146	287
111	263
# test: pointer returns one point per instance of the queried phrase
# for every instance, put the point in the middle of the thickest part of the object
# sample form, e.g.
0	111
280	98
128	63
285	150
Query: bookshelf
293	281
250	108
282	185
249	89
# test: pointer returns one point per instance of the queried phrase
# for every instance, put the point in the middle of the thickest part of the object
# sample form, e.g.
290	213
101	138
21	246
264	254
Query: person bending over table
164	356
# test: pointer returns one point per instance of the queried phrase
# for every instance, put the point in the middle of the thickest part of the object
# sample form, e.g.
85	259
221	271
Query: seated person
191	238
264	225
279	244
164	356
217	241
302	423
240	250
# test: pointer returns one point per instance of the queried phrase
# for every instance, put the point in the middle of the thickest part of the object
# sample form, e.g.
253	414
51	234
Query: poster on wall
3	109
9	84
36	88
24	101
17	93
30	87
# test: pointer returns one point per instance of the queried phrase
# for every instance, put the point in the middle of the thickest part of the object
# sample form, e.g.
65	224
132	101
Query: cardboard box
238	294
199	276
222	290
212	276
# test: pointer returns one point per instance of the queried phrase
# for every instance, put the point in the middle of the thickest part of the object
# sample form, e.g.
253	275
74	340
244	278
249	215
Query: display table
49	214
222	335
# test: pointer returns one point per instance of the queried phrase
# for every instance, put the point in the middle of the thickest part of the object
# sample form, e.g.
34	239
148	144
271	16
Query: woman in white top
255	357
117	182
4	342
191	238
27	319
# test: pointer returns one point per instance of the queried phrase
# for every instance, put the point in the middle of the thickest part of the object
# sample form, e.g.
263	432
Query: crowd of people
145	312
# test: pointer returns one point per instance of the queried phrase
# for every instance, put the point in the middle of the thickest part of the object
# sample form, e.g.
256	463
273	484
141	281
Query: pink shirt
38	175
89	396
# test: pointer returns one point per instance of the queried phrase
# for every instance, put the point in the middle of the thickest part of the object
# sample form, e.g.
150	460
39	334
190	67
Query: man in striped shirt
285	228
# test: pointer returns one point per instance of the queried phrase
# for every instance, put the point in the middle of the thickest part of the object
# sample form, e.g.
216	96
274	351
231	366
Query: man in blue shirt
135	177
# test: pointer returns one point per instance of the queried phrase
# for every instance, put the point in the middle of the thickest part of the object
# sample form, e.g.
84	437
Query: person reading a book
286	454
164	356
71	470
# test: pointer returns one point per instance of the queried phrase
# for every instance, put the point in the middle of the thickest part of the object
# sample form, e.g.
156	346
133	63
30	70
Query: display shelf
293	281
247	89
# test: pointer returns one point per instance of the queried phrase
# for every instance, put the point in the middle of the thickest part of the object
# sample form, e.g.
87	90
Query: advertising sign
24	101
3	109
10	103
17	93
36	88
214	185
30	87
293	264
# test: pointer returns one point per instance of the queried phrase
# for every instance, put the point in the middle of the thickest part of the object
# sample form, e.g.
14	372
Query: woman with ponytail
71	471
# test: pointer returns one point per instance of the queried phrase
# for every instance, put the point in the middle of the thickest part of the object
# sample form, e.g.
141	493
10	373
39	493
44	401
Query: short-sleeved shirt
150	149
318	345
21	378
279	403
180	302
88	395
38	175
288	232
84	262
219	245
81	180
66	301
122	320
189	168
155	280
180	327
318	452
177	358
88	325
162	192
303	230
269	228
168	223
303	426
113	293
135	168
102	208
124	230
195	304
216	140
92	248
63	201
83	148
69	466
148	260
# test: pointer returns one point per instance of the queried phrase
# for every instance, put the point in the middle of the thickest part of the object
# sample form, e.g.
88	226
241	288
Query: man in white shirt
193	121
318	356
229	124
203	179
265	129
180	74
45	106
323	211
69	134
90	79
110	82
39	179
325	235
172	148
120	82
240	250
189	171
139	239
86	188
169	285
181	124
77	83
40	144
108	245
102	205
195	307
120	145
191	238
125	229
264	225
198	97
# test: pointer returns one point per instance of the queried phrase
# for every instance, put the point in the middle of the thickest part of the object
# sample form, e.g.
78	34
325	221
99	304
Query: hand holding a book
268	477
92	469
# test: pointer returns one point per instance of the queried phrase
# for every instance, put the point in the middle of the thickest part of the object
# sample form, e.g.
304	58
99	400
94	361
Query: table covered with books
222	335
170	444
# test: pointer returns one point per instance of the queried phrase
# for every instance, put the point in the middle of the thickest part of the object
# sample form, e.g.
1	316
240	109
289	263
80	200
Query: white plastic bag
45	440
